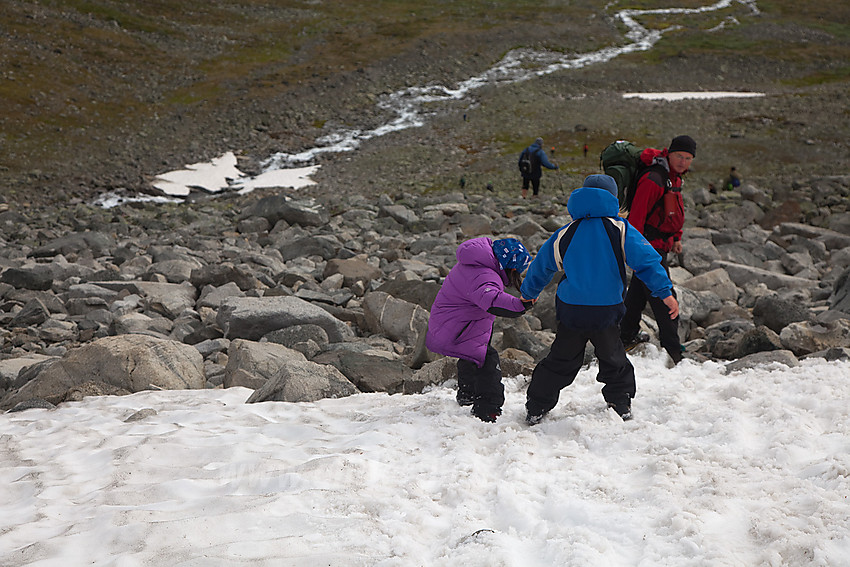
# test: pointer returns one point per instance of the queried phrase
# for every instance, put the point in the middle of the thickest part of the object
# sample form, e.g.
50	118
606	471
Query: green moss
72	69
842	74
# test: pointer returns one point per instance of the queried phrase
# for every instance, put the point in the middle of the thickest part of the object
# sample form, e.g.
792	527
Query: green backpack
621	160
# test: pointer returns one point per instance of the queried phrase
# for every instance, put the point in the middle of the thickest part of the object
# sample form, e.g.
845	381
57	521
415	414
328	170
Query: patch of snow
294	178
672	96
213	176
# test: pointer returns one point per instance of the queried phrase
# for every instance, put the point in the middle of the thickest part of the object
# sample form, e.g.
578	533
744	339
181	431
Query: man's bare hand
677	247
672	305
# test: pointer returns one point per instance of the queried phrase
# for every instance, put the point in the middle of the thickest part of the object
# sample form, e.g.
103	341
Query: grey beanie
601	181
539	141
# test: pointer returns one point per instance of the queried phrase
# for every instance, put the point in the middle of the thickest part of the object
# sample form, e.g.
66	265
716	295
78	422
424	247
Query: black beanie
683	144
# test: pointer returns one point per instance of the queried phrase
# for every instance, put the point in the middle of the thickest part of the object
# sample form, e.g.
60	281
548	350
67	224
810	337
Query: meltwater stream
408	109
408	105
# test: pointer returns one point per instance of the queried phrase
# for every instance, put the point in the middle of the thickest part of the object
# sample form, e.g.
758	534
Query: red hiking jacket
661	224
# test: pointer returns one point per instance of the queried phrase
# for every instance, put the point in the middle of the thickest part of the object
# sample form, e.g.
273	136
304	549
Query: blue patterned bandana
511	254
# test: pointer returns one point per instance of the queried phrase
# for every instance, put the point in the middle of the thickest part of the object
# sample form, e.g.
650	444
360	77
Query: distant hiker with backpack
591	254
461	321
658	212
531	161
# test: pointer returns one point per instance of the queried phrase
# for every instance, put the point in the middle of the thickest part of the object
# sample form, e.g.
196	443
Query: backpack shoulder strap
562	242
616	229
665	183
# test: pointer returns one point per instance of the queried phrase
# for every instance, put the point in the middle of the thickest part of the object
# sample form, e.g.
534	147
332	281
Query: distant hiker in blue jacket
462	315
591	254
531	161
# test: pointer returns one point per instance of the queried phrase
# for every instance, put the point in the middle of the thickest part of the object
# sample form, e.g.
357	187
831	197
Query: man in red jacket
658	213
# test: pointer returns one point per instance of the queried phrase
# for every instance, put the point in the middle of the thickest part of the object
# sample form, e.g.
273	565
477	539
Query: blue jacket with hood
590	293
539	159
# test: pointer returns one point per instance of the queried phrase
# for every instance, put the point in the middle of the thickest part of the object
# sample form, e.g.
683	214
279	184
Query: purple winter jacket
459	324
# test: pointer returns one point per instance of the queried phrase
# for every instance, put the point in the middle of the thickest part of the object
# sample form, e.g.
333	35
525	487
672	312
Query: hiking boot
623	410
465	398
534	418
631	342
487	416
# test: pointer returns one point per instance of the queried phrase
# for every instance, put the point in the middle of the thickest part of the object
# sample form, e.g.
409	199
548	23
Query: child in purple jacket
461	322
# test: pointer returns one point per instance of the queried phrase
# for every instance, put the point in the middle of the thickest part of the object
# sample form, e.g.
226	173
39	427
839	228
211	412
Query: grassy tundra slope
99	94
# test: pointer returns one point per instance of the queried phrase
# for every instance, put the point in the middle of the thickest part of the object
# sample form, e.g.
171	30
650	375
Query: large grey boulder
252	317
832	239
322	245
517	334
806	337
474	224
224	274
698	254
168	299
304	212
33	313
12	367
776	313
696	306
716	281
129	362
404	215
419	292
368	372
175	270
97	243
420	269
139	323
353	270
28	277
761	359
303	381
212	296
840	298
431	373
759	339
58	331
743	275
395	318
251	364
721	339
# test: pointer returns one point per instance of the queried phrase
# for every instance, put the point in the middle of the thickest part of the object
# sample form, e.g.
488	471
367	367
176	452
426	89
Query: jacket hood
478	252
651	156
588	202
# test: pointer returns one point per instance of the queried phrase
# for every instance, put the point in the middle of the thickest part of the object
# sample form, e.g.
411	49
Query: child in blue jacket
591	254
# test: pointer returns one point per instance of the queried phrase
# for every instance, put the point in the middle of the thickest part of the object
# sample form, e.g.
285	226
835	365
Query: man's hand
672	305
528	303
677	247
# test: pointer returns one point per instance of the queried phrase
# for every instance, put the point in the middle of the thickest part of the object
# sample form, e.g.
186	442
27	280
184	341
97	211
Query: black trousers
566	356
484	385
636	298
535	184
